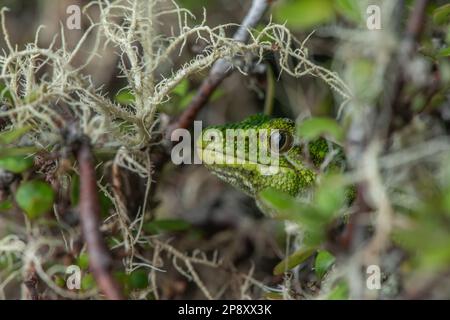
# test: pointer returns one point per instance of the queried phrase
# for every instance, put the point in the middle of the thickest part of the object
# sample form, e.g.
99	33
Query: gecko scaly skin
298	166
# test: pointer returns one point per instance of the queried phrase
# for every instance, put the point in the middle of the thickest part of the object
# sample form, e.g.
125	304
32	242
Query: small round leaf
35	198
138	279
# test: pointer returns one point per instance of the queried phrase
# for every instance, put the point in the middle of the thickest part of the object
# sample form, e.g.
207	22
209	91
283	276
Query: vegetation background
83	149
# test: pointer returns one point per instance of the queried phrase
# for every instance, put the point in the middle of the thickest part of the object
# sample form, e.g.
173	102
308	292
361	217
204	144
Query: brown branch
416	20
221	68
99	257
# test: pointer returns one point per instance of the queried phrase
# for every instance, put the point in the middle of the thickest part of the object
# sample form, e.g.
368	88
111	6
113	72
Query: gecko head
254	154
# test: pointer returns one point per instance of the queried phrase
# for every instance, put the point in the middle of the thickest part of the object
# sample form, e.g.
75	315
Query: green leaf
16	164
5	93
186	100
330	196
105	204
138	279
12	135
293	260
446	200
290	208
88	282
433	254
18	151
315	127
35	198
121	277
304	14
4	262
280	201
360	75
182	88
441	15
444	52
125	97
311	218
167	225
83	261
447	38
339	292
323	263
349	9
315	237
32	96
5	205
60	281
75	190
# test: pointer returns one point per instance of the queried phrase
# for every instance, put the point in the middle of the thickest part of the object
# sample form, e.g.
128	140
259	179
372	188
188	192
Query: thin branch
99	257
32	283
416	20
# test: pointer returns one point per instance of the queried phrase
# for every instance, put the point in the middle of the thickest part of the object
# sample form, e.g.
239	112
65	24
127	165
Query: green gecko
298	166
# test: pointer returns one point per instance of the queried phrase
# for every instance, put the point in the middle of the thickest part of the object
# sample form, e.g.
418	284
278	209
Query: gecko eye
283	139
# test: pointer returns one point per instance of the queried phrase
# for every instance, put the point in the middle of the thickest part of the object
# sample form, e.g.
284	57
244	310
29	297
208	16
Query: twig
99	257
31	283
221	68
416	20
188	262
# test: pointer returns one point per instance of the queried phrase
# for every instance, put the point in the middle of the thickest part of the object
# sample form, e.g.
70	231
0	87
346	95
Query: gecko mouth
214	160
250	149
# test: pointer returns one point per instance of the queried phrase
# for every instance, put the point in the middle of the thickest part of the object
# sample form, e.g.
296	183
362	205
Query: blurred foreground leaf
83	261
5	93
315	127
444	52
339	292
323	263
16	164
10	136
293	260
441	15
304	14
360	75
349	9
182	88
88	282
330	197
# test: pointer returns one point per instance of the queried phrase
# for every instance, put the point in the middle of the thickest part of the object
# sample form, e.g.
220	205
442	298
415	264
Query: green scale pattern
294	176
